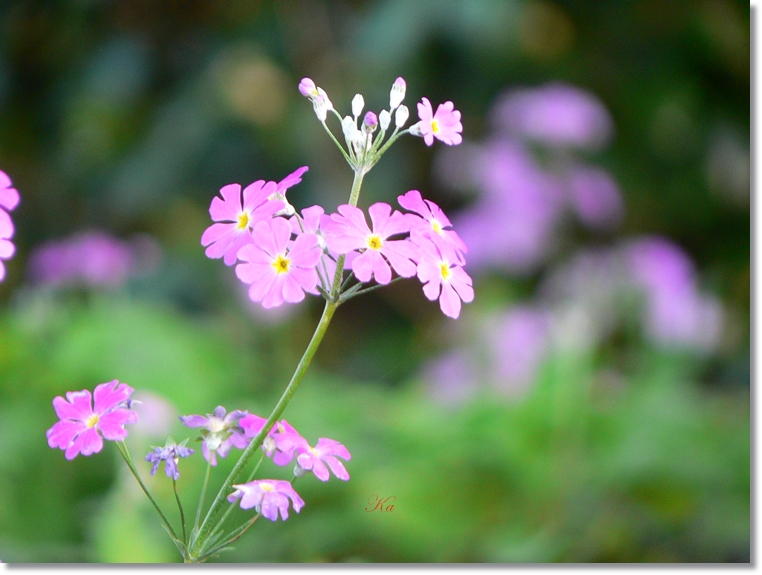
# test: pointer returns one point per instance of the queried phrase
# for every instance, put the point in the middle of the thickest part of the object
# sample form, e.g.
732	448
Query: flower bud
307	88
358	103
370	122
384	119
415	129
397	94
321	104
299	471
349	127
401	116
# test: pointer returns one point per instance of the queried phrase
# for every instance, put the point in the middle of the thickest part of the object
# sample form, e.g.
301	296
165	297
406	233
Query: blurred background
591	404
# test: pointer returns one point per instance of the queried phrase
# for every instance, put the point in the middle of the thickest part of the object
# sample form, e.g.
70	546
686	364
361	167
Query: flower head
268	497
442	278
434	224
9	199
236	218
444	125
170	454
83	427
348	231
220	432
324	454
277	269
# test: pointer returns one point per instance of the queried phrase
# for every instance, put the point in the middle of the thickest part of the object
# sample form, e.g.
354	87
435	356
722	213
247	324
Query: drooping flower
83	427
444	125
268	497
170	454
434	224
348	231
277	269
442	278
9	199
235	218
220	432
321	457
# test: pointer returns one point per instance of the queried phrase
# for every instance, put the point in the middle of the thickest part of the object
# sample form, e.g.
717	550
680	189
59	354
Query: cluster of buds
362	149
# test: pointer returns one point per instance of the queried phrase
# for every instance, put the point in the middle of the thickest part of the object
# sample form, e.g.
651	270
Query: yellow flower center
281	265
444	270
243	221
375	243
266	486
92	421
435	126
436	226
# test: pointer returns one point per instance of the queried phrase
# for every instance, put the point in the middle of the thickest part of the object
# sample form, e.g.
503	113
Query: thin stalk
393	138
203	495
347	295
128	460
335	141
180	507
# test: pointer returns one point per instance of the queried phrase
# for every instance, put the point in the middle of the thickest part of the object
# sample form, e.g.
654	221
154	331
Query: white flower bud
401	116
384	119
358	103
397	94
415	129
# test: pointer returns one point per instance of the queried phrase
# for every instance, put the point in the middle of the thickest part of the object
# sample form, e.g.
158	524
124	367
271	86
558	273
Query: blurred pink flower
324	454
555	114
268	496
78	430
90	258
9	199
444	125
595	197
277	269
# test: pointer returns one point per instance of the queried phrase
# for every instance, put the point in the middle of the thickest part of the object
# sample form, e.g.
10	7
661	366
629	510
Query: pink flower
311	221
236	218
281	440
268	496
291	180
442	278
348	231
324	453
444	125
220	432
9	199
277	269
433	223
77	432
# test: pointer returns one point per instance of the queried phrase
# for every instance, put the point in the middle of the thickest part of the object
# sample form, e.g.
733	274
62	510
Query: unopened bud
370	122
415	129
401	116
299	471
307	88
384	119
398	93
358	103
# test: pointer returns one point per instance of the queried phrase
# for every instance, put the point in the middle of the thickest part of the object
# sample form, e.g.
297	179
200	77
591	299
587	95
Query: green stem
180	507
128	460
203	495
335	141
256	443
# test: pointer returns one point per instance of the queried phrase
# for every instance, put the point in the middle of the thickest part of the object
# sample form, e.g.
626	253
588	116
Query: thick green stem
256	443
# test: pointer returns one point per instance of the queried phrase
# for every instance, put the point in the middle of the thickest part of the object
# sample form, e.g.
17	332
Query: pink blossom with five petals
268	496
83	427
434	224
321	457
444	125
442	278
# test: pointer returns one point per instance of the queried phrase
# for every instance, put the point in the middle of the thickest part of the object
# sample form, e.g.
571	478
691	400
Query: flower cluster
83	426
9	199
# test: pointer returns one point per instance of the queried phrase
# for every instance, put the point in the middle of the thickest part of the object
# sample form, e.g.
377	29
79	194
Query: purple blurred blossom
90	258
519	343
452	378
557	115
157	415
676	313
595	197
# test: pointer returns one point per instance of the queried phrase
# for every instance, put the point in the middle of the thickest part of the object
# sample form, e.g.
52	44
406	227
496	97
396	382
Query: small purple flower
78	430
170	454
220	432
442	278
348	231
307	88
370	122
444	125
9	199
324	454
236	218
555	115
277	269
268	497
